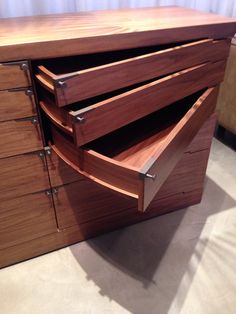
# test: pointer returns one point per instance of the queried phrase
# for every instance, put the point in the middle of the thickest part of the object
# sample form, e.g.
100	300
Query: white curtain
12	8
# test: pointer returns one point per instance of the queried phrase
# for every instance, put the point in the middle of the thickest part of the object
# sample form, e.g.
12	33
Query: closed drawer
105	116
23	174
14	74
26	218
16	103
137	159
19	137
78	78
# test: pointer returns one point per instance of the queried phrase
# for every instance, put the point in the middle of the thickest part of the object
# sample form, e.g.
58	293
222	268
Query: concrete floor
183	262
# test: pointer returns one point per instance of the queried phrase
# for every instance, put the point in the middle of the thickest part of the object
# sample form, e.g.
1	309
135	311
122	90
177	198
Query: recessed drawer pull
150	176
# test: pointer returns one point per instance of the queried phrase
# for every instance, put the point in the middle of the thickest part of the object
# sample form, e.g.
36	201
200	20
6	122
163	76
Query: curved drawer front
72	83
103	117
137	159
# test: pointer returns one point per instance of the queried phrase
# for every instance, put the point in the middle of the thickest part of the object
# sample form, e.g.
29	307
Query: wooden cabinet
125	102
14	74
25	218
17	103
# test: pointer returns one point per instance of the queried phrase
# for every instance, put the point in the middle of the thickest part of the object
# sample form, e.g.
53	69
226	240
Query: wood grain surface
113	113
16	104
70	34
25	218
107	223
100	77
19	137
93	202
124	170
23	174
164	159
12	76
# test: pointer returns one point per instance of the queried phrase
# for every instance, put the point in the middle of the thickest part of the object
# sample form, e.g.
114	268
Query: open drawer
93	118
76	78
137	159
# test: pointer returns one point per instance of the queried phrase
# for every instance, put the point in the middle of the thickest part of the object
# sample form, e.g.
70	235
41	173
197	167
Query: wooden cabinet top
86	32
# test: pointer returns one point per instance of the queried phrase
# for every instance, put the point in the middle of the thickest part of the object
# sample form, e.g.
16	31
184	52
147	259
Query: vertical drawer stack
26	209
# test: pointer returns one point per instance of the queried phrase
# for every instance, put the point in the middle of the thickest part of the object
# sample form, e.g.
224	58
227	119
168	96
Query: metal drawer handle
150	176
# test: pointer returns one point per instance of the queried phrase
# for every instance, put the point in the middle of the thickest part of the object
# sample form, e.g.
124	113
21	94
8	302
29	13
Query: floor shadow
142	267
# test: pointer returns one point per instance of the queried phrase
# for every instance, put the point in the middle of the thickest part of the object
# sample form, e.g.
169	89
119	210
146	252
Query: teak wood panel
78	33
20	136
12	76
111	222
105	78
26	218
16	104
113	113
23	174
83	201
59	172
163	161
160	158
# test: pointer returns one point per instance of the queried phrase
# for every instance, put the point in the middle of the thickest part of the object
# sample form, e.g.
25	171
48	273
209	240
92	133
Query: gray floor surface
183	262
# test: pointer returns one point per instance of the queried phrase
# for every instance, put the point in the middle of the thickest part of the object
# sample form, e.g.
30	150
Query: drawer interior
65	65
133	144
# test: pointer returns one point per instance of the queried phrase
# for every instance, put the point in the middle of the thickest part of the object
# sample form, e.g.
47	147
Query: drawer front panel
161	164
140	169
60	173
70	88
14	74
83	201
22	175
16	104
110	115
25	218
113	113
19	137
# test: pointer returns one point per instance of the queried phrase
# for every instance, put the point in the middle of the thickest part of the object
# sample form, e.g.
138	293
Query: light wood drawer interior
14	75
20	136
83	201
25	218
93	118
77	78
16	103
137	159
23	174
